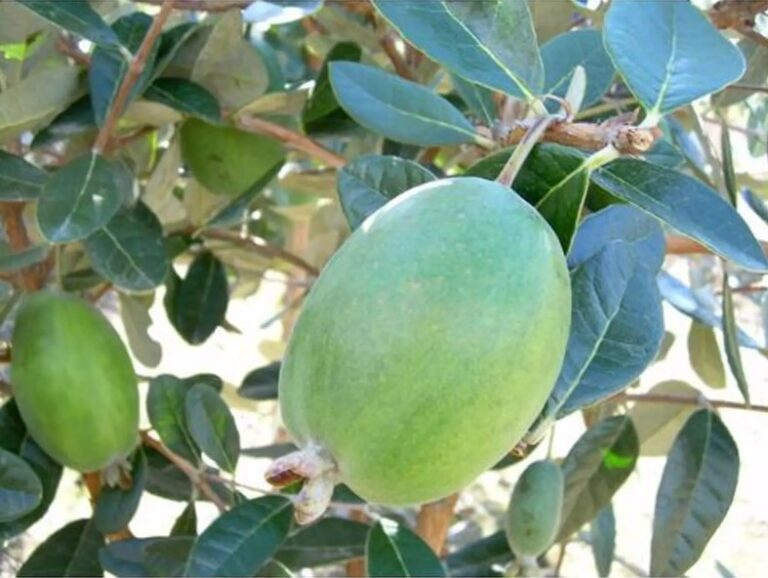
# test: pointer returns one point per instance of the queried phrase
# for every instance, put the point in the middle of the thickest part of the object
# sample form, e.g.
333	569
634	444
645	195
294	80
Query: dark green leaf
125	558
486	557
116	506
329	541
397	108
212	426
261	383
76	120
755	203
597	465
237	210
729	174
70	551
20	489
186	523
563	54
11	262
76	16
171	42
490	43
164	479
756	56
686	204
272	451
240	541
730	339
602	535
666	154
369	182
185	96
478	98
322	113
167	413
80	198
201	299
129	251
704	355
168	556
694	495
19	180
393	550
668	53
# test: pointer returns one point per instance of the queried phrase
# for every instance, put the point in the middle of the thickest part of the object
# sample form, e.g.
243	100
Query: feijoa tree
179	151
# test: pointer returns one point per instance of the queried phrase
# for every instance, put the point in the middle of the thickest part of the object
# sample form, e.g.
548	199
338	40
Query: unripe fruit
427	347
74	383
533	515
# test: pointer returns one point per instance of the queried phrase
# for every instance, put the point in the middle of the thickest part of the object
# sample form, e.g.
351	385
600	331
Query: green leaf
397	109
76	120
125	558
704	355
322	113
686	204
602	536
370	181
80	198
36	100
668	53
730	339
229	66
70	551
109	65
485	557
186	523
756	56
329	541
393	550
240	541
491	43
236	211
129	251
563	54
271	451
116	506
134	313
261	383
185	96
19	180
14	438
167	413
597	465
695	492
212	426
167	556
77	17
20	489
201	299
11	262
657	424
478	98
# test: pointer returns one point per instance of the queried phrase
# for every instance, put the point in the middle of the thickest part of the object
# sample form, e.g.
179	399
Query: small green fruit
74	383
225	160
427	347
533	515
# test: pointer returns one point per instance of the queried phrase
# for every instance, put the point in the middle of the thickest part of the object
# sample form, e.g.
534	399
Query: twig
434	520
270	251
678	245
610	106
100	292
292	139
736	13
67	48
134	71
30	278
752	87
688	400
389	46
202	5
194	475
561	556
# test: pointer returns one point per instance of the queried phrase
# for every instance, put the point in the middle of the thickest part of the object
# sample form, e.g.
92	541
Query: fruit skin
430	342
74	382
225	160
535	508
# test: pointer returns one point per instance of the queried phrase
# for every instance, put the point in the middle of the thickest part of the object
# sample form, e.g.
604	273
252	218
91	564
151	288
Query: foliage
149	149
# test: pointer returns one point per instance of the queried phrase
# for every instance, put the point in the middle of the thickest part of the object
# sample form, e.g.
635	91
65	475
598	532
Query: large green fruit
74	382
428	345
226	160
533	515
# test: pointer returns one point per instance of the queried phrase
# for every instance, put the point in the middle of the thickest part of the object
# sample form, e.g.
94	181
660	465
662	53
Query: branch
194	475
678	245
626	139
67	48
434	520
202	5
388	44
292	139
30	278
688	400
736	13
134	71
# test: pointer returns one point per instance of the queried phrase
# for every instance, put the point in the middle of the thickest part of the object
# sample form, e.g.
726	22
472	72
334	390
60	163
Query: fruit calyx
320	473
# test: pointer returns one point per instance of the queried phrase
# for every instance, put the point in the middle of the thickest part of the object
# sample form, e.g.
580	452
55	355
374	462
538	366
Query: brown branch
401	67
270	251
627	139
134	71
752	87
29	278
194	475
292	139
202	5
736	13
688	400
434	520
68	48
678	245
